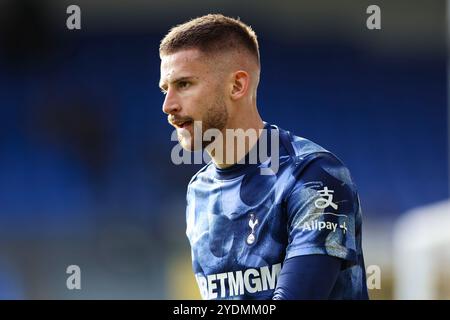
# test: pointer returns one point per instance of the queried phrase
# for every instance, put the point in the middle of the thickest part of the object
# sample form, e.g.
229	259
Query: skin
219	90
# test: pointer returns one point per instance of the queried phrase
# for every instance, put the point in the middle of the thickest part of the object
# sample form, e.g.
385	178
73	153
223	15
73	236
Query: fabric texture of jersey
242	224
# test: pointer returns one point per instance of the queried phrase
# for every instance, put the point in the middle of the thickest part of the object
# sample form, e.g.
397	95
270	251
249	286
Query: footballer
292	231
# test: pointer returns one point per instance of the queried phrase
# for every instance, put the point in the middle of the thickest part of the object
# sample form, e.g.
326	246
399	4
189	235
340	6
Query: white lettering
256	281
74	20
270	278
374	20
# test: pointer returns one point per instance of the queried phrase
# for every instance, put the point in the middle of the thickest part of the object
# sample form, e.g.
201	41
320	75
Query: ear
241	84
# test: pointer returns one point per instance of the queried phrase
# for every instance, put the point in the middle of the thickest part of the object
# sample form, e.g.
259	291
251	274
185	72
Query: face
193	93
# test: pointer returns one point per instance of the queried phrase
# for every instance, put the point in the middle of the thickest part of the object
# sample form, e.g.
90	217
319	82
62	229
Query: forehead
182	63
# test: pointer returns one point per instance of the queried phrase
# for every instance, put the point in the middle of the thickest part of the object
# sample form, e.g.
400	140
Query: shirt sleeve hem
343	253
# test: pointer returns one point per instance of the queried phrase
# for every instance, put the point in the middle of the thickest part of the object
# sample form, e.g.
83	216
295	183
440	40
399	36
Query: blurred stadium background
85	170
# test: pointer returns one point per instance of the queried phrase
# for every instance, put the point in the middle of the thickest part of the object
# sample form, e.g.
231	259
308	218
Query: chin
186	138
188	145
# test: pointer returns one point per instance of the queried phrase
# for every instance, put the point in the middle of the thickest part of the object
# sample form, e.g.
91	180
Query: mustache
173	120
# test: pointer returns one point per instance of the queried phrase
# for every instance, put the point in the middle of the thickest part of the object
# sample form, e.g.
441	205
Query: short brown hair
211	33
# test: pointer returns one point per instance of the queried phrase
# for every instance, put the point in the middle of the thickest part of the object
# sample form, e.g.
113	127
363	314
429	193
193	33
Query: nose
170	105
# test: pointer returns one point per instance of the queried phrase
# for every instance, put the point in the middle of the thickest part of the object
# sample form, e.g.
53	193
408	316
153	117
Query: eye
183	84
164	91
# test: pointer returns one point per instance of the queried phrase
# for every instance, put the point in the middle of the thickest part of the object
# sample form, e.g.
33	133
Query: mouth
181	124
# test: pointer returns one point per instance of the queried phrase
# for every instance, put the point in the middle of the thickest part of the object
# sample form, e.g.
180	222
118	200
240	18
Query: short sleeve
322	208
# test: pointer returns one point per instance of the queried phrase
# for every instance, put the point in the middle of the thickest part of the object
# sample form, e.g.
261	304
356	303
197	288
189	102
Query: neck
239	137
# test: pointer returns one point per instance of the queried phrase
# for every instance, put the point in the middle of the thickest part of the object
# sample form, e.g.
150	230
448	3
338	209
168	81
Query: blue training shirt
242	224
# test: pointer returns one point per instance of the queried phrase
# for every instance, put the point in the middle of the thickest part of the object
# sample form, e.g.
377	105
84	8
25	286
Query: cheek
197	105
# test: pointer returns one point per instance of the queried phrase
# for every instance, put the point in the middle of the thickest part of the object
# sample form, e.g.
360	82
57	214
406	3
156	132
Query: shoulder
303	151
311	162
203	172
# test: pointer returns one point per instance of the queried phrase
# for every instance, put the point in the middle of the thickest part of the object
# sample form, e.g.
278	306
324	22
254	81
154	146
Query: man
291	234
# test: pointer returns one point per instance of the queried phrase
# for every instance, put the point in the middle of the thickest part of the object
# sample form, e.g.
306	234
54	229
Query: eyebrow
163	85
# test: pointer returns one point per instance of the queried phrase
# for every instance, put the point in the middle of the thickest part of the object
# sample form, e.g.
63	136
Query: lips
185	124
181	123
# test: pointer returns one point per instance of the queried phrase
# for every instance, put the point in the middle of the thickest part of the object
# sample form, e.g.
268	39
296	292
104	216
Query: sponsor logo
320	225
326	199
230	284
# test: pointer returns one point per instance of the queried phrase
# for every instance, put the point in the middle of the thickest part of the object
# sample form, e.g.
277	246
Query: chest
231	229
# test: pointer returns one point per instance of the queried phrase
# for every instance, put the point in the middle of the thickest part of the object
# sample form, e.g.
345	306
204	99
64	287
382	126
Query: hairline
211	55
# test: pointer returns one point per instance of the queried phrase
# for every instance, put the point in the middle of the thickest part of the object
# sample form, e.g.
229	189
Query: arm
307	277
322	210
